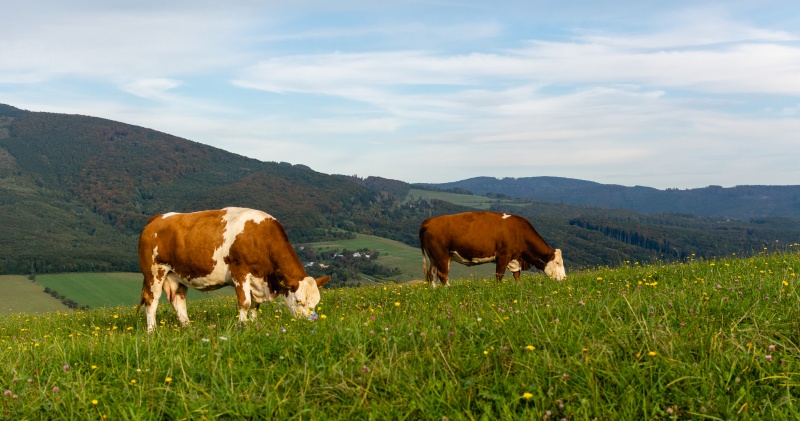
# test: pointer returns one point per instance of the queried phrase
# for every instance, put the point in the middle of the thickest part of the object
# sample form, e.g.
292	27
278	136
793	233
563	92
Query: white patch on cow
555	268
168	214
303	301
259	289
470	262
514	266
234	220
506	216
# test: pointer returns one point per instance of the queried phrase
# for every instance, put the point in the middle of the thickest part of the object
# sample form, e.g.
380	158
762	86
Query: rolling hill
75	192
740	202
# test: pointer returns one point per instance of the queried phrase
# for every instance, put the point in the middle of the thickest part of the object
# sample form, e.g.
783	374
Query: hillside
75	192
740	202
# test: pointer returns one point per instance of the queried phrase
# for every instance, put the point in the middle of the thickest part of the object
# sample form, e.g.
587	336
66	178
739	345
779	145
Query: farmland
24	296
713	339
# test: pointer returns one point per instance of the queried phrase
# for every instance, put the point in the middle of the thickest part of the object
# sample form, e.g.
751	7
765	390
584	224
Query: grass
700	339
106	289
23	296
477	202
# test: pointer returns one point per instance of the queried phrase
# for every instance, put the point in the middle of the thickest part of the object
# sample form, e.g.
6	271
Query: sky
678	94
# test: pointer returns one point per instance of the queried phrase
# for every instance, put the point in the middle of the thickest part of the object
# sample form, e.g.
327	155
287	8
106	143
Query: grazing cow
474	238
210	249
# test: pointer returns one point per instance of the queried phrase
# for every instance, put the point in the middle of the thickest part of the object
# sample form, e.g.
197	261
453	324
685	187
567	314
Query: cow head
555	267
303	301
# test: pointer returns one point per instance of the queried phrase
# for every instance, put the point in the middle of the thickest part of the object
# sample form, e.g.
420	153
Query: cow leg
500	268
515	267
443	274
176	292
151	293
254	310
241	282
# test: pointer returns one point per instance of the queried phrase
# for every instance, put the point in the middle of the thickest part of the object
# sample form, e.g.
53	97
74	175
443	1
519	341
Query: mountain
75	191
740	202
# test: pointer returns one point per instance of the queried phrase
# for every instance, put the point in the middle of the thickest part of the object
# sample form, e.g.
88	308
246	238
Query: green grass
477	202
20	295
106	289
402	256
701	339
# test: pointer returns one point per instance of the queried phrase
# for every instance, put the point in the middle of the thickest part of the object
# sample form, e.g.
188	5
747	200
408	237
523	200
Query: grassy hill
712	339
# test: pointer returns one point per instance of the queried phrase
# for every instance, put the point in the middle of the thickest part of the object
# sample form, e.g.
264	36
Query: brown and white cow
211	249
474	238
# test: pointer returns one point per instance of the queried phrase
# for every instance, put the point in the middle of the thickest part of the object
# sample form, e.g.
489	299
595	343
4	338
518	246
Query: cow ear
322	281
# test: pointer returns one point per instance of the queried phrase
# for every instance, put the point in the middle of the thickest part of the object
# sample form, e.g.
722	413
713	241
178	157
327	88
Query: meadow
706	339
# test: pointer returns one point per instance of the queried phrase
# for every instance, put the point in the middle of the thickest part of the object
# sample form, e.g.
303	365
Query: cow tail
141	303
428	270
428	276
425	265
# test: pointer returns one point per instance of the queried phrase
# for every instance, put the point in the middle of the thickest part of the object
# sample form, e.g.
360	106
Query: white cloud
151	88
680	94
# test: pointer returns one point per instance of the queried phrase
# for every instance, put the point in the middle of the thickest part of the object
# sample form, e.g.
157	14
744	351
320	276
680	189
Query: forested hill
75	192
740	202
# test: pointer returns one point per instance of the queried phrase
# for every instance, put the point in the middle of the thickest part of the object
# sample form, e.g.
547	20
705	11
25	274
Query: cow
474	238
210	249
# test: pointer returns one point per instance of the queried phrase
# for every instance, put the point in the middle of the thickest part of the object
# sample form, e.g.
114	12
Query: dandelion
168	380
133	381
322	316
94	367
652	353
527	395
397	304
530	347
94	401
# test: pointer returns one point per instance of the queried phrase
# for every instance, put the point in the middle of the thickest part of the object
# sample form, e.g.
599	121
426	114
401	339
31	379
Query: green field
402	256
477	202
700	339
107	289
20	295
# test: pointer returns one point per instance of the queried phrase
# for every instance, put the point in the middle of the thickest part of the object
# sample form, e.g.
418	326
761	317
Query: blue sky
676	94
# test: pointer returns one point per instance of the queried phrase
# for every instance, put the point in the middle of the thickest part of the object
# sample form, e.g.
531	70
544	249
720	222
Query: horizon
681	95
